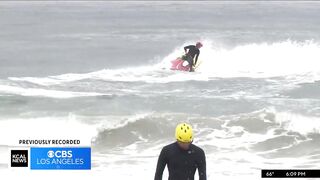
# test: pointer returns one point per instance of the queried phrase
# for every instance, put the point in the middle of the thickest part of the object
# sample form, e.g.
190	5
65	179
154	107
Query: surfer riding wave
192	53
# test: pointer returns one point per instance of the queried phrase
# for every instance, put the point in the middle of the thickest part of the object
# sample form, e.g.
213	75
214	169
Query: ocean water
100	72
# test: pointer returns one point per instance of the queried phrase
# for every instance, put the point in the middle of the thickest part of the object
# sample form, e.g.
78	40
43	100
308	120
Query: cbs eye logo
59	154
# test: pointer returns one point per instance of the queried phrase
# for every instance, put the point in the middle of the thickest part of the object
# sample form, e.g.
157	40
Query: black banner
290	173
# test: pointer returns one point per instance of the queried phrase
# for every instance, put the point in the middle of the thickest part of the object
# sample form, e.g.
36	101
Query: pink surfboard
177	64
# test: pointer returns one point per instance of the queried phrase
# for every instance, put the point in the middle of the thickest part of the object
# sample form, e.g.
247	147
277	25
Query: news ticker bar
290	173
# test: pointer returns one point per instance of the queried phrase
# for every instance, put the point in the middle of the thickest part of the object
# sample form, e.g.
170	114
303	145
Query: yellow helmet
184	133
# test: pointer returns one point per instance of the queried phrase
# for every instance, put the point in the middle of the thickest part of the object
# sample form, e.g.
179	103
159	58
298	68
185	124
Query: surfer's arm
202	166
196	59
186	48
161	165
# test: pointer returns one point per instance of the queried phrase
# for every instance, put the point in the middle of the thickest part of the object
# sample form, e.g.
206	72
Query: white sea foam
15	90
297	61
299	123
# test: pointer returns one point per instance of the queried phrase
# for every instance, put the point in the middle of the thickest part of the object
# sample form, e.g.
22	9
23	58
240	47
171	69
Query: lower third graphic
60	158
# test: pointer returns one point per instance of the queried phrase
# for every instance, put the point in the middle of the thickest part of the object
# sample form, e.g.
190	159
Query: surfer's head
184	135
199	45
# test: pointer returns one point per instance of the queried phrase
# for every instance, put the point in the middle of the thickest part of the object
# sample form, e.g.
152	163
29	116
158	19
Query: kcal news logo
60	158
19	158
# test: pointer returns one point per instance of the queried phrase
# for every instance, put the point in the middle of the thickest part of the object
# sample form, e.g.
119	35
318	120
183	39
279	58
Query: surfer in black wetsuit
182	157
191	52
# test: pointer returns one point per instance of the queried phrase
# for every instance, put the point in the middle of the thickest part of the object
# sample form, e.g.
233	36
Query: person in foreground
192	52
182	157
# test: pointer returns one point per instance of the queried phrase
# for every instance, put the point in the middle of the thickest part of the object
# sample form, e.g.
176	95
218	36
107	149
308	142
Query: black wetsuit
181	163
193	52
